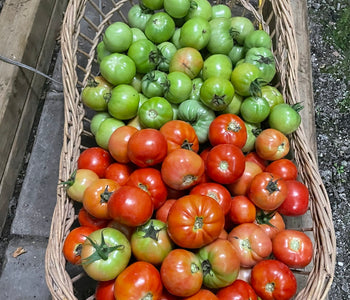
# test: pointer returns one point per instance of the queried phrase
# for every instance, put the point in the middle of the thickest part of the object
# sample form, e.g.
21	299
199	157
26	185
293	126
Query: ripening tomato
105	290
228	129
86	219
118	143
119	172
238	290
267	191
181	273
284	168
242	210
272	279
271	144
270	222
292	247
140	280
202	294
251	243
195	221
73	242
95	159
163	211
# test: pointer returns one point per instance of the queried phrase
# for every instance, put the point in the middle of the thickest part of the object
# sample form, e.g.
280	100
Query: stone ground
330	60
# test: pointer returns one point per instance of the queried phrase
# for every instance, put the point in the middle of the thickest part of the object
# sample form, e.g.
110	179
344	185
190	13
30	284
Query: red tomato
86	219
105	290
118	172
227	129
272	279
242	210
251	243
130	205
150	180
202	295
216	191
195	221
125	229
271	144
138	281
284	168
118	143
95	159
238	290
254	157
292	247
163	211
73	242
297	200
181	273
167	296
225	163
242	184
97	196
267	191
180	135
182	169
270	222
147	147
223	235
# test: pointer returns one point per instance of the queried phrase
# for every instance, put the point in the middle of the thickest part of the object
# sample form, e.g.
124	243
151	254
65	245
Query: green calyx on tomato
154	84
263	217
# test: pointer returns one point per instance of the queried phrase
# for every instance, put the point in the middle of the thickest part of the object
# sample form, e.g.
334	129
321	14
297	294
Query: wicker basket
78	52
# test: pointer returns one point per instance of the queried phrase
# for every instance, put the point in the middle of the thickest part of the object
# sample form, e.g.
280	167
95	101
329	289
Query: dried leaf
19	251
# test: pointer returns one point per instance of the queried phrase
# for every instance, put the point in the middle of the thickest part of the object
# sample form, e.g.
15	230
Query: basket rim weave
321	275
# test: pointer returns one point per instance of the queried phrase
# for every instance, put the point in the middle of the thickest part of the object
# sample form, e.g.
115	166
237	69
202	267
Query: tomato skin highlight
284	168
95	159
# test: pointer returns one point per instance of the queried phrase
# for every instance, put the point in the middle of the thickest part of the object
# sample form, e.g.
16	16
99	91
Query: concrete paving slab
23	277
38	195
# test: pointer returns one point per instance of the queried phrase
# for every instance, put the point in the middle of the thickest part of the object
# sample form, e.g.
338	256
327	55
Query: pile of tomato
185	193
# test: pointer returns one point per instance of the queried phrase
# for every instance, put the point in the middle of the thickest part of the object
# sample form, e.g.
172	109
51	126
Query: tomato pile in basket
184	195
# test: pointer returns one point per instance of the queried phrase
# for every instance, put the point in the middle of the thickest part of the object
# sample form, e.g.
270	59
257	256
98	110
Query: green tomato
175	39
221	11
220	41
236	54
138	16
217	93
154	83
118	68
137	34
145	55
179	87
96	94
285	118
245	79
217	65
235	106
124	102
200	8
160	27
240	28
271	95
258	38
143	99
254	109
101	51
153	4
117	37
195	33
177	8
167	51
136	82
196	88
96	121
155	112
198	115
105	130
253	130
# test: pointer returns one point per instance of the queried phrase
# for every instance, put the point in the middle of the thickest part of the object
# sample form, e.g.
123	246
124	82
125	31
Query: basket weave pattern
79	63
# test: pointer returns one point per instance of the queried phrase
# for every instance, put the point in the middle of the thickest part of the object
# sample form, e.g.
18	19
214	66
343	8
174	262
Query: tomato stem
198	223
234	126
206	267
151	232
272	186
105	195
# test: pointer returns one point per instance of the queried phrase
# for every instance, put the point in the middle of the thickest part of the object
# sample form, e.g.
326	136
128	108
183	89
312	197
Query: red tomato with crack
292	247
86	219
284	168
137	281
105	290
95	159
195	221
227	129
270	222
118	172
267	191
272	279
238	290
225	163
242	210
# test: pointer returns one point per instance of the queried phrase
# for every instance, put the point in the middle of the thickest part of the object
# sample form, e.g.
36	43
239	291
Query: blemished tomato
73	243
267	191
105	253
163	211
105	290
272	279
220	264
271	144
86	219
95	159
251	243
181	273
118	143
150	180
216	191
97	195
119	172
284	168
254	157
182	169
238	290
242	184
195	221
147	147
297	200
227	129
160	27
180	134
130	205
150	242
270	222
202	294
187	60
242	210
225	163
78	182
137	281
